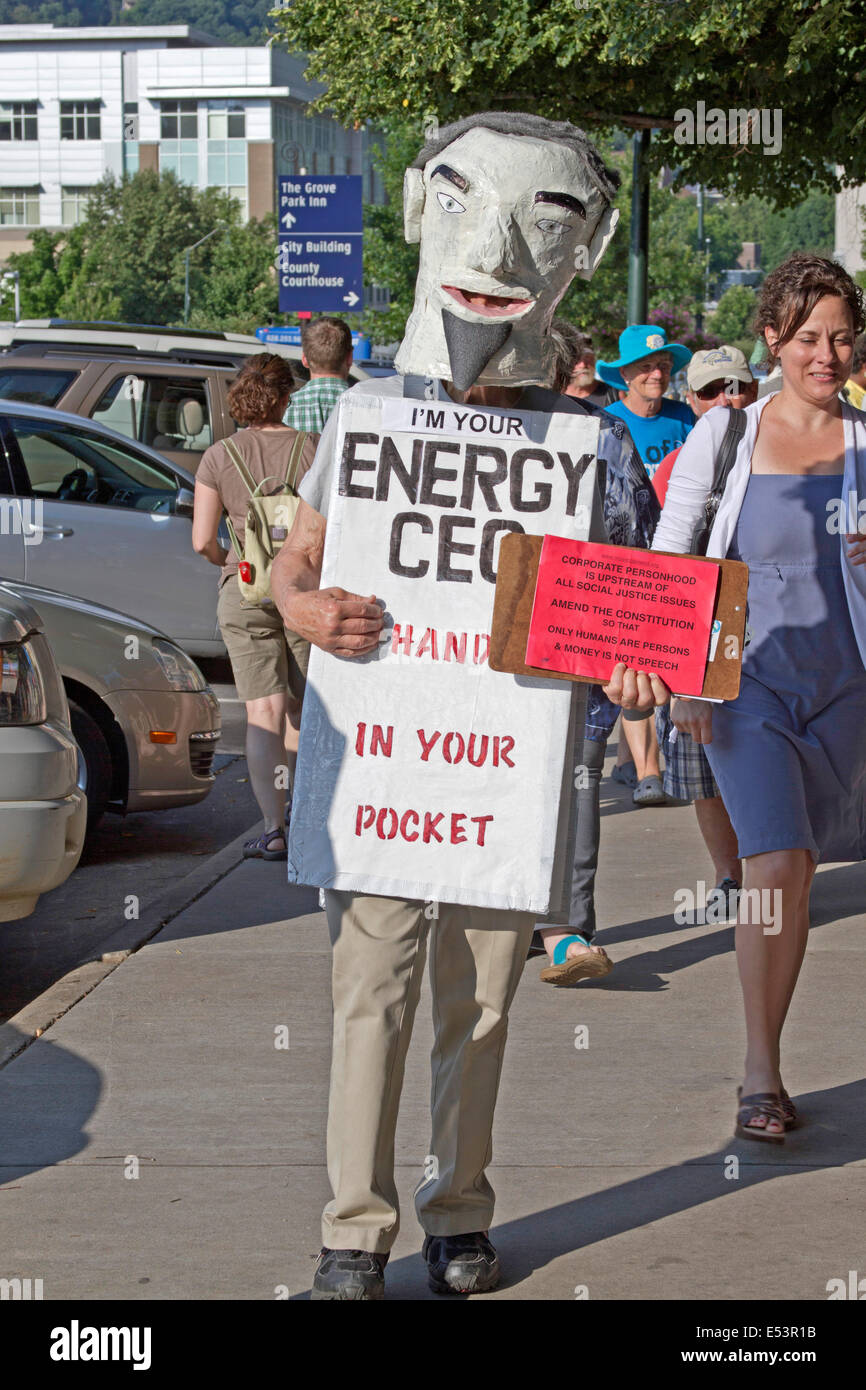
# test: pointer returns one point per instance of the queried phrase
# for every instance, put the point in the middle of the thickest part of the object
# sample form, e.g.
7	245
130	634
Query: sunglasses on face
715	388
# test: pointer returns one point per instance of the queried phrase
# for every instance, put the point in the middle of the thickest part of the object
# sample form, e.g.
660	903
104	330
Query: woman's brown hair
791	291
259	389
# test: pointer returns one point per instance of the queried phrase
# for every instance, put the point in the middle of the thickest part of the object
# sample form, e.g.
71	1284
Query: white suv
43	807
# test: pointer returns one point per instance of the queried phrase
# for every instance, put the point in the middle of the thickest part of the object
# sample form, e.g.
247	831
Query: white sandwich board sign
421	773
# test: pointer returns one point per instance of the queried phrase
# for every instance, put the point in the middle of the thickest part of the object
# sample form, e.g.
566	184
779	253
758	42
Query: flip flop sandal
789	1109
588	965
261	847
750	1108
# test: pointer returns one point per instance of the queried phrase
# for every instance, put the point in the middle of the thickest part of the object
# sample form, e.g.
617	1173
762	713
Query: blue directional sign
320	257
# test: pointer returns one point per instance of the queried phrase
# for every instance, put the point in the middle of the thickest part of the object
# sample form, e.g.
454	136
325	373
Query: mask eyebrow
563	200
451	175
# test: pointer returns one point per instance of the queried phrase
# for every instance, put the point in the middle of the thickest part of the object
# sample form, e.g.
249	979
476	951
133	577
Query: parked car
142	713
84	511
43	806
163	388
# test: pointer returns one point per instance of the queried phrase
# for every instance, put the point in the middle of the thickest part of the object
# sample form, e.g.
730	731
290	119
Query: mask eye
547	224
449	204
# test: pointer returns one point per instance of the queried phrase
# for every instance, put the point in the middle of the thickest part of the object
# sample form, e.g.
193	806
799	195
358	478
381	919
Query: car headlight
179	670
22	694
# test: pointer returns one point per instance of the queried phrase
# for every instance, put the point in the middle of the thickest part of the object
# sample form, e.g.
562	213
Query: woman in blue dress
789	754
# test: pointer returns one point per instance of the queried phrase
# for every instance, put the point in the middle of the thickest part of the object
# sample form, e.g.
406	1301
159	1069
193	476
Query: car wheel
97	759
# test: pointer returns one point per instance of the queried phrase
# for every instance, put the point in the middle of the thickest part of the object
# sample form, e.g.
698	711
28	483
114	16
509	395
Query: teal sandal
589	965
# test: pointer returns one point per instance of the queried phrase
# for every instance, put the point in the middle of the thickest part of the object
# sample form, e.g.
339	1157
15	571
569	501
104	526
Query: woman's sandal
764	1105
591	964
260	848
789	1110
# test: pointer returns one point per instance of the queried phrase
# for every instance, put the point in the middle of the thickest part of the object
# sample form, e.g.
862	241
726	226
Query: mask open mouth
490	306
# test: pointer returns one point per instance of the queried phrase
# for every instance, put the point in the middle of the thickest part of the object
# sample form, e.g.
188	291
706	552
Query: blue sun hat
641	340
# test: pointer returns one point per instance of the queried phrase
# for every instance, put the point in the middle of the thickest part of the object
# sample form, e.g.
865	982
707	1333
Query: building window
18	120
227	169
79	120
226	120
178	120
73	204
19	207
180	157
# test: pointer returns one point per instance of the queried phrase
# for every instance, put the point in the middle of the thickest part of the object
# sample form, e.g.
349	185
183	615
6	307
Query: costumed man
507	208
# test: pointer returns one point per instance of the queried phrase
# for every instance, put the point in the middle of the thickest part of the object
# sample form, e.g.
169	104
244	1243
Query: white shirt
692	477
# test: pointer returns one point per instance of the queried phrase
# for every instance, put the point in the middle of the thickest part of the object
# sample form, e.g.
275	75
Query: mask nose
492	251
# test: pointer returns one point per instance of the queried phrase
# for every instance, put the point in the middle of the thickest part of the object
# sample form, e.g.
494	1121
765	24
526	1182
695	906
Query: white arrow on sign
351	299
289	219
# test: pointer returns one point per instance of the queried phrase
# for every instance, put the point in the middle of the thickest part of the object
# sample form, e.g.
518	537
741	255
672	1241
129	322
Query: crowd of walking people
777	776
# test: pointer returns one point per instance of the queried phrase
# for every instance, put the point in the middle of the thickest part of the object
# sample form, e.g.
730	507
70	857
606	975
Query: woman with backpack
253	477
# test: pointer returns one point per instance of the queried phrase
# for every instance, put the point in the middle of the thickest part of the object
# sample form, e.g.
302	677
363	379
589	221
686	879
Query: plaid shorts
687	774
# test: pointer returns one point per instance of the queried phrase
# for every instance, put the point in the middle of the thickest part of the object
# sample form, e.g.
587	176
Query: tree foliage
732	320
233	21
125	260
611	63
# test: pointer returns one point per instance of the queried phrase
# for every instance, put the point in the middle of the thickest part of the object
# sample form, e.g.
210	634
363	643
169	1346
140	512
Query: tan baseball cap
717	364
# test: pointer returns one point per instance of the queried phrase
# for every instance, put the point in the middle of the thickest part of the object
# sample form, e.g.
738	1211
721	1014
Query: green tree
125	260
133	238
237	291
234	21
45	271
732	321
610	63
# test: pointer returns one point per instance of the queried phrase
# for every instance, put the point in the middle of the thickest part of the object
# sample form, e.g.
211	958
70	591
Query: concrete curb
18	1032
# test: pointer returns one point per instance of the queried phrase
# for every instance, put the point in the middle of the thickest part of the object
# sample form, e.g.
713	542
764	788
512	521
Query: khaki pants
379	951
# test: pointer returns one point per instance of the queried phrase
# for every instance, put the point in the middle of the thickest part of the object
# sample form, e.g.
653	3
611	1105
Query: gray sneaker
649	792
356	1275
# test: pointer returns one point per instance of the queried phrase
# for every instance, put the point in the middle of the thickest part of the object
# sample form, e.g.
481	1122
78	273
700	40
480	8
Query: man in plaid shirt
326	348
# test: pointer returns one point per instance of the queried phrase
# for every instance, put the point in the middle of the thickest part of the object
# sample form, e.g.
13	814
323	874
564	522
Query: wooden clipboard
515	592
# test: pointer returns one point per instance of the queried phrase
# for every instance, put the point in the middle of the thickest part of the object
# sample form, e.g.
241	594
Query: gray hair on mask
525	124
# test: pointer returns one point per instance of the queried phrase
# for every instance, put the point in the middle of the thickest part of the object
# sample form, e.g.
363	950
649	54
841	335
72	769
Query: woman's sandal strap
560	950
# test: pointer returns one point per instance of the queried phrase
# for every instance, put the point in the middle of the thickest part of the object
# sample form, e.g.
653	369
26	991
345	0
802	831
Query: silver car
144	717
43	808
85	511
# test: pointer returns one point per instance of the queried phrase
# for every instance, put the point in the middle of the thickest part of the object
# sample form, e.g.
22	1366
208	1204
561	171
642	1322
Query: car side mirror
183	502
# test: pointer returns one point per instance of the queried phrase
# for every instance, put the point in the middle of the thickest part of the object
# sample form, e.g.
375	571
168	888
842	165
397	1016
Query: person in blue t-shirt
646	360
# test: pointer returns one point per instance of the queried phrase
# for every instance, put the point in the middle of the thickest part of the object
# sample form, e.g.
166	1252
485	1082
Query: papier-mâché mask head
506	217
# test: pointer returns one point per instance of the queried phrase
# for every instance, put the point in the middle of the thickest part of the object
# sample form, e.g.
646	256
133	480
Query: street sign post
320	254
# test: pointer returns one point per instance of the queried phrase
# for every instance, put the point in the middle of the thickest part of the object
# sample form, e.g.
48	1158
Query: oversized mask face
505	222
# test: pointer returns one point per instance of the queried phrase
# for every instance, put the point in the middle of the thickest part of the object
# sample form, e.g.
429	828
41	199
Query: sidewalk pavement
614	1166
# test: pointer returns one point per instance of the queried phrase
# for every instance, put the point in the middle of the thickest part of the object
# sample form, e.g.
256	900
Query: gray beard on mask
471	346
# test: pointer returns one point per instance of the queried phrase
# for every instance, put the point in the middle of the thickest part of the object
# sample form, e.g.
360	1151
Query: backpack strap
295	460
237	459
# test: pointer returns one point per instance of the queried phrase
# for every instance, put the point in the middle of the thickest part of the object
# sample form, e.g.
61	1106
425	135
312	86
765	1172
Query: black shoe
461	1264
349	1274
723	901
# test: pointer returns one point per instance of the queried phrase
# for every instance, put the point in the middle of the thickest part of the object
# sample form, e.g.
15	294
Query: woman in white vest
789	754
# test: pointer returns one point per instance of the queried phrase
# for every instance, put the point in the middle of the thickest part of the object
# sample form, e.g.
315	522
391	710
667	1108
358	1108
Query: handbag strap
728	452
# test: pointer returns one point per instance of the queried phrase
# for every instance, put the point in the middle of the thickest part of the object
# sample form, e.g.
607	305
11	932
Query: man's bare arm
341	623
